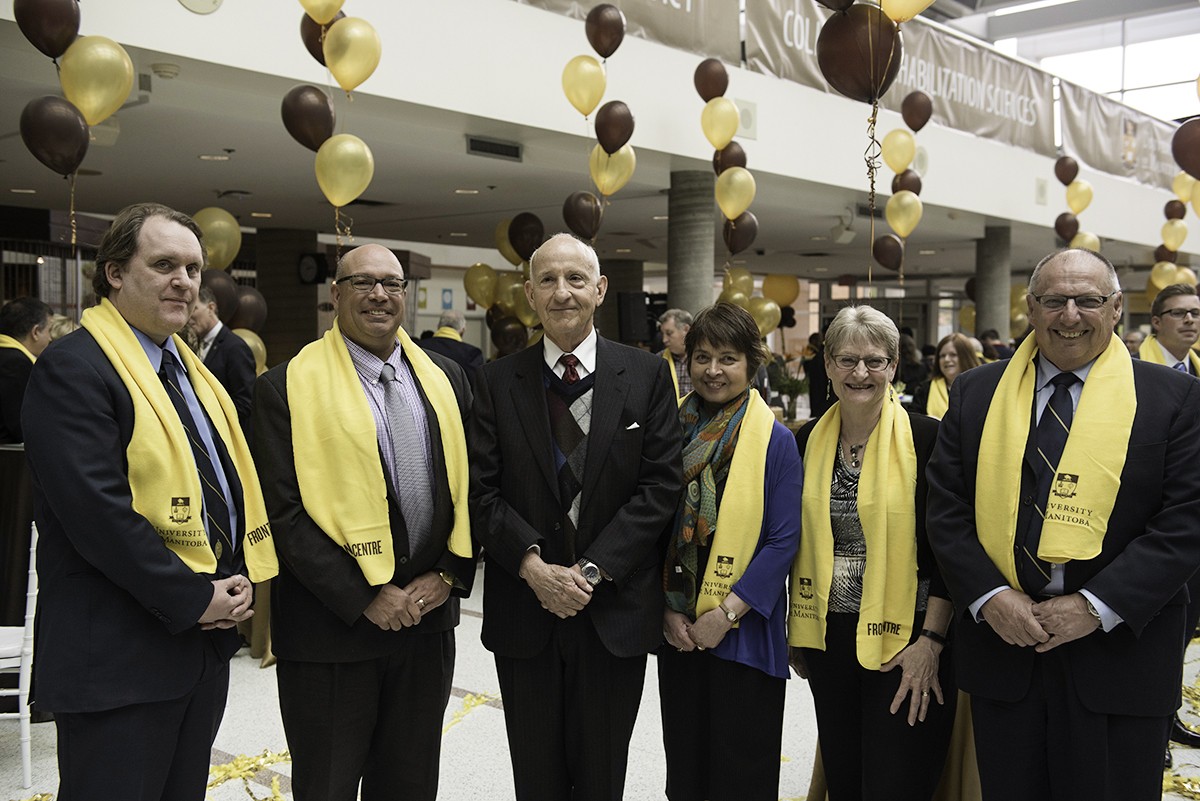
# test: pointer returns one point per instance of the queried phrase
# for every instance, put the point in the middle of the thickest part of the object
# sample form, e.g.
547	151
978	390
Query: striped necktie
413	484
1182	367
1052	432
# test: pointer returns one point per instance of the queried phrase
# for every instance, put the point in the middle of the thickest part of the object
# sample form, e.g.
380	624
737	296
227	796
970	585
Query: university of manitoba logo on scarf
1065	485
805	588
181	509
724	567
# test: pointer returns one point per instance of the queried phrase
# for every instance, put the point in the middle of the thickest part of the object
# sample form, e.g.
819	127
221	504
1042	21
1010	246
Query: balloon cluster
735	188
96	75
1079	197
904	208
350	48
612	160
1174	231
502	293
238	306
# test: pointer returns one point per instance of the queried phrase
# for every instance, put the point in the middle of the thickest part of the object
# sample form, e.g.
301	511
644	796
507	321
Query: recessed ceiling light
23	191
926	252
660	217
624	250
214	157
41	260
458	233
738	261
266	215
820	269
818	238
466	191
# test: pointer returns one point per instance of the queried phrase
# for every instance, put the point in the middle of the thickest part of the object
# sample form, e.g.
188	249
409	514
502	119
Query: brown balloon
1065	170
1066	225
909	179
888	250
225	289
614	126
1185	147
308	115
525	234
1164	253
711	79
1175	210
55	133
605	29
916	109
739	234
252	310
583	213
836	5
310	34
509	336
49	25
859	52
732	156
969	288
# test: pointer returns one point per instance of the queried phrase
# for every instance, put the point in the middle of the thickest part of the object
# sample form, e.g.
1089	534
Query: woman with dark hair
955	355
721	675
869	613
911	370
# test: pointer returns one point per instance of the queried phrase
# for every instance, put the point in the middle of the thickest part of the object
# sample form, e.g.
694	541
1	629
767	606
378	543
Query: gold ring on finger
421	603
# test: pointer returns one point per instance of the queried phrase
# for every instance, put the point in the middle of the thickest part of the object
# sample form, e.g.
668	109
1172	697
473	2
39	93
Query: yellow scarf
1089	475
162	471
938	402
330	415
446	332
739	520
887	510
1151	351
666	354
9	342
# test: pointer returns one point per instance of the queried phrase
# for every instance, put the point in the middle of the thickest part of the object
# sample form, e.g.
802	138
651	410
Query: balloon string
341	228
71	214
872	158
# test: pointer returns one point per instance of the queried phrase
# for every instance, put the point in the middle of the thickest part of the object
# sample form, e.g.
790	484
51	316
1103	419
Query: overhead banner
706	27
973	89
1109	136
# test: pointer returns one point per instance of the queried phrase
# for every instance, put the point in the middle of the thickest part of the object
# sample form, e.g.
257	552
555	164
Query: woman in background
955	355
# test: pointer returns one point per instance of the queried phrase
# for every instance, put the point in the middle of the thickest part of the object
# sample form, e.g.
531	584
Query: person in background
870	614
24	334
725	574
818	379
448	341
994	347
61	325
225	355
1175	319
911	370
673	324
955	355
1133	340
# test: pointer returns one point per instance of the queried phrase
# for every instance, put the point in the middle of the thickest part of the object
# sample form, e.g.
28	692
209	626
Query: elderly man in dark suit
575	474
448	341
145	492
363	455
24	334
1062	507
225	354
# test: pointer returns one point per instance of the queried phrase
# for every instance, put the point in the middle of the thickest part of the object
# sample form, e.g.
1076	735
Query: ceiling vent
493	148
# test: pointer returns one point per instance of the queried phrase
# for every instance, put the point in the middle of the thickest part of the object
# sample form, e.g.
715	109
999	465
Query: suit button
403	560
557	527
1028	499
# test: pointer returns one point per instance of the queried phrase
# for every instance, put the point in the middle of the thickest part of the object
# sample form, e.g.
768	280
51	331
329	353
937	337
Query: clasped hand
706	632
1019	621
231	603
396	608
562	591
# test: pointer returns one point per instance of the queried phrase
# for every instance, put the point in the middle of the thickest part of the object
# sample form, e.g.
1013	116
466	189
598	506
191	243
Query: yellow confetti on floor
470	703
245	768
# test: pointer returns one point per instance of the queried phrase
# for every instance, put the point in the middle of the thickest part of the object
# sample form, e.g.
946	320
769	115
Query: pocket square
632	426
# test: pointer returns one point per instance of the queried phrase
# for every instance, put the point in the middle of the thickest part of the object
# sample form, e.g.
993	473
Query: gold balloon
256	347
734	296
344	167
1086	240
509	285
523	311
1195	195
222	236
96	75
1017	324
719	121
783	289
1079	196
899	147
610	173
903	10
583	83
1163	274
1185	275
1173	234
966	320
322	11
903	212
352	50
1016	297
735	191
1184	187
766	314
480	283
503	245
739	279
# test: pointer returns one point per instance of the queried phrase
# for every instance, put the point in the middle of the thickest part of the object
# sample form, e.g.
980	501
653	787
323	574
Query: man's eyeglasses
874	364
1179	314
1087	302
365	283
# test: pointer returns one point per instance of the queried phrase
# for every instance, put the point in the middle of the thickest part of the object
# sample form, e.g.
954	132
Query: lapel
529	400
608	399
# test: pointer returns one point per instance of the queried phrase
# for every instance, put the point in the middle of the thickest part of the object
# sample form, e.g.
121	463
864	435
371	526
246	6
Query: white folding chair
16	655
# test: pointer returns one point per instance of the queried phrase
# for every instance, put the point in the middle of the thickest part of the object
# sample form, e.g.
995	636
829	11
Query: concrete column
691	231
624	275
291	305
993	277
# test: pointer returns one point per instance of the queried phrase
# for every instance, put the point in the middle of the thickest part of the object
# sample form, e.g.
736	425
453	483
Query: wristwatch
447	577
1093	611
730	615
591	571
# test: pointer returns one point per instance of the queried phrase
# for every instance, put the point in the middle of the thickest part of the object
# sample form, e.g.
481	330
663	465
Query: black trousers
722	728
379	720
1064	751
569	712
868	752
158	751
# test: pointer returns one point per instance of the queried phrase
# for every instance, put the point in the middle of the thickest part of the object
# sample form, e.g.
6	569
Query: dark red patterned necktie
569	361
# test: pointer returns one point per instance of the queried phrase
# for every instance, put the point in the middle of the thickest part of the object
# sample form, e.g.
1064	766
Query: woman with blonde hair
955	355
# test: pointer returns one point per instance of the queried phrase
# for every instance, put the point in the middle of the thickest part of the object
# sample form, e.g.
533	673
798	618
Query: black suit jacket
1149	552
14	375
117	611
631	483
469	357
230	359
318	599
